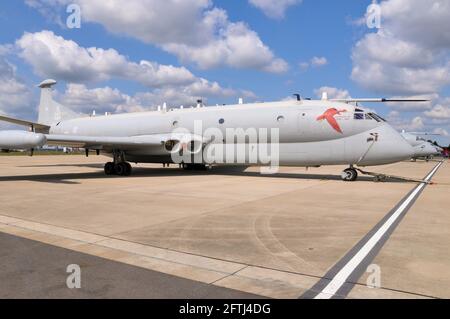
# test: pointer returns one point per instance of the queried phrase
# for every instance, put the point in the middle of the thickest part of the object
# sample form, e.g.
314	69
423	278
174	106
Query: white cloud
193	30
65	59
319	61
400	122
274	9
15	97
435	119
106	99
238	47
83	100
441	131
410	54
439	112
333	93
314	62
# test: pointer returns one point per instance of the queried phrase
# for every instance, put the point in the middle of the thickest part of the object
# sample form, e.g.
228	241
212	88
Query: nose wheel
121	169
349	175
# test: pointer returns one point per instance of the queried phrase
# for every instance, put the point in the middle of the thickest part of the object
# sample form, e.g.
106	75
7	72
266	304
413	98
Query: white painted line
336	283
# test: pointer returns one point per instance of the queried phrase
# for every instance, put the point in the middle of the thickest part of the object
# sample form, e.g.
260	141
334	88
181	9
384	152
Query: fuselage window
221	121
175	123
280	118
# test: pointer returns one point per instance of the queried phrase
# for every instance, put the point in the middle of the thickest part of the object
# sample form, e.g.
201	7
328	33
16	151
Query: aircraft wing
111	142
36	126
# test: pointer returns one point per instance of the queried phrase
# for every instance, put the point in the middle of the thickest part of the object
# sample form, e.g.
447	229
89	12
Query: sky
134	55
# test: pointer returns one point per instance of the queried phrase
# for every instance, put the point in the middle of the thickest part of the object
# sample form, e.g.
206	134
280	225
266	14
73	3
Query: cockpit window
376	117
359	116
368	117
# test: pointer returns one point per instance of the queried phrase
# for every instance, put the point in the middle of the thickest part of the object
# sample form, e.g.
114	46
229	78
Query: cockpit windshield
376	117
361	115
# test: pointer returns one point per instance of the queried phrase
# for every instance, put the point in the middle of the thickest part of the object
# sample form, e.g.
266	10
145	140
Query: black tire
195	167
349	175
120	169
127	169
110	169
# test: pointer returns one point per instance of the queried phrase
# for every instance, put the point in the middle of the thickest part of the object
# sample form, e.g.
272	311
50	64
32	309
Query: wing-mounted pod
21	140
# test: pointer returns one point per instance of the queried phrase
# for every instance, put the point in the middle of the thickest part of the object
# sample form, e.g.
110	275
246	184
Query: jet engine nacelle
21	140
191	144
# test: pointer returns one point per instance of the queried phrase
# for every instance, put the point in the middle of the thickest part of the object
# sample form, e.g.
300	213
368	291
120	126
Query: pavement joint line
171	250
227	275
98	243
335	283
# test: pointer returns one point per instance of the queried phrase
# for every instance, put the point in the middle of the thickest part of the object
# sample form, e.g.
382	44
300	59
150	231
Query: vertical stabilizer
51	112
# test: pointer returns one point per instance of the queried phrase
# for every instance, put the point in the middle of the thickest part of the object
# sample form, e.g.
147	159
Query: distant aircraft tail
51	112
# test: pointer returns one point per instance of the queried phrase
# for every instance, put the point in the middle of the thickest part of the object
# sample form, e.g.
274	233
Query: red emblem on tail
329	116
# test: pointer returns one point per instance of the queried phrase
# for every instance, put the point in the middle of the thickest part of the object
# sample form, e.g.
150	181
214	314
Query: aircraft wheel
127	169
120	169
195	167
109	168
349	175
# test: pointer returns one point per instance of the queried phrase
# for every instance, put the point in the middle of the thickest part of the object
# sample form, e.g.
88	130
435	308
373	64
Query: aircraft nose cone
391	147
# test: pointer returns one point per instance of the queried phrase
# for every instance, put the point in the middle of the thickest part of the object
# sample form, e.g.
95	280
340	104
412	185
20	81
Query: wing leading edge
110	142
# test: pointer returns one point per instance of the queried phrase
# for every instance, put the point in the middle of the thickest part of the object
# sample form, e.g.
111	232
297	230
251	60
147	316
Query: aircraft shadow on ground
71	178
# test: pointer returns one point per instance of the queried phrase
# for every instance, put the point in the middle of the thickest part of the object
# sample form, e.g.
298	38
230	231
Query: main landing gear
349	175
121	169
119	166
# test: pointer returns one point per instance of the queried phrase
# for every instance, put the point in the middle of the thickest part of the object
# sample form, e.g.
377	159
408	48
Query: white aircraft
422	148
310	133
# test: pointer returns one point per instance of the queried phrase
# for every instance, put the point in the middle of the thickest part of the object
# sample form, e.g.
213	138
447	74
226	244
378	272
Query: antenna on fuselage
297	96
199	103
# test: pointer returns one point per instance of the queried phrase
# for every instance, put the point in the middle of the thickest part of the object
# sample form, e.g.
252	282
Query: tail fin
51	112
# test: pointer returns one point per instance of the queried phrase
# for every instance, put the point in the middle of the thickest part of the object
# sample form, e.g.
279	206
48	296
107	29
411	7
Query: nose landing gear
349	175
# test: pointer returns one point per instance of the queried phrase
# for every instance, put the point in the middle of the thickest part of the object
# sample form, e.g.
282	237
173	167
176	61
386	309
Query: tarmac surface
225	232
25	275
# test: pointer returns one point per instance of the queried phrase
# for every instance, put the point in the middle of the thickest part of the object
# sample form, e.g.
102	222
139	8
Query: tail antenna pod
47	84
